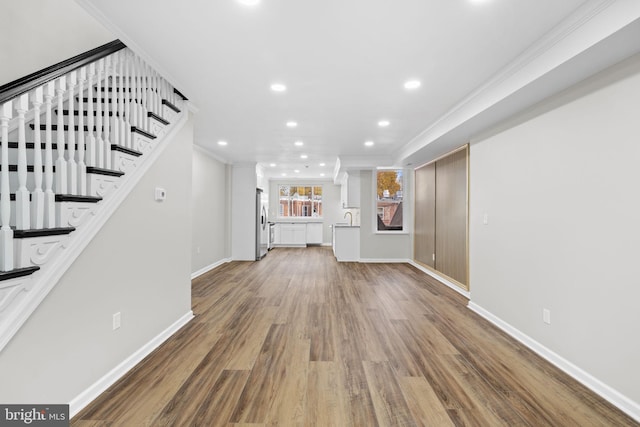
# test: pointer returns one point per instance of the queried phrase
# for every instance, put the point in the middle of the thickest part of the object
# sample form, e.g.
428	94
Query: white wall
243	212
139	265
38	33
378	246
210	221
560	187
332	212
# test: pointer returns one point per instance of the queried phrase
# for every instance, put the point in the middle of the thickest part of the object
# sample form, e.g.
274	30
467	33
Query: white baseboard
614	397
384	260
444	280
87	396
209	267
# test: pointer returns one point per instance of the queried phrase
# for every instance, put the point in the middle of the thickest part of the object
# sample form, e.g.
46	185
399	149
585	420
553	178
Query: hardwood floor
299	339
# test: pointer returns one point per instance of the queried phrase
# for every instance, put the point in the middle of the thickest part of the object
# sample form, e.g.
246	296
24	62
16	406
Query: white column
82	167
61	163
6	233
49	196
37	196
23	216
72	166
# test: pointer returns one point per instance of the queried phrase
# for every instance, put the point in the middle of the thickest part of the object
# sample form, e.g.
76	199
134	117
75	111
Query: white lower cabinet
298	234
314	233
292	234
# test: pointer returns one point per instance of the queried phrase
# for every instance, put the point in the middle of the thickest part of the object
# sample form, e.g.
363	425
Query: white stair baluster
61	163
126	96
6	233
82	167
157	106
23	216
99	149
37	196
90	157
120	119
106	152
133	118
143	97
113	121
72	166
49	196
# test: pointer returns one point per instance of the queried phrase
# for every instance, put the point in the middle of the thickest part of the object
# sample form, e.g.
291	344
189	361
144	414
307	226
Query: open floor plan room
300	339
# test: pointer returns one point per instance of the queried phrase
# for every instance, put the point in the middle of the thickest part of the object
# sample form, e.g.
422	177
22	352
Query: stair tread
95	129
125	150
142	132
76	198
25	234
158	118
32	145
102	171
18	272
65	112
170	105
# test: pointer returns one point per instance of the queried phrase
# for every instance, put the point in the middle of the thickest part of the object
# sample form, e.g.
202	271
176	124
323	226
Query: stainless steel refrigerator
262	226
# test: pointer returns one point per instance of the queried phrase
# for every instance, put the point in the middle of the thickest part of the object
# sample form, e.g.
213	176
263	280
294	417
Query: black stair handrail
25	84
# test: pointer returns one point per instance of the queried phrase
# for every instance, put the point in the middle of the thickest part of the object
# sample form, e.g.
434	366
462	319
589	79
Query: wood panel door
451	216
425	215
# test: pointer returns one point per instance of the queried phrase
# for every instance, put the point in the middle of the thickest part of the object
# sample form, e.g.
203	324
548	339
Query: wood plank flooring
298	339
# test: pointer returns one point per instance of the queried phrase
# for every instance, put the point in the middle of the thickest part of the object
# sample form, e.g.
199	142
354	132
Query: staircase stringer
44	280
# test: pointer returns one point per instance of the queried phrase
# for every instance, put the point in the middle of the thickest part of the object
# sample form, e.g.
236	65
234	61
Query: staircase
75	138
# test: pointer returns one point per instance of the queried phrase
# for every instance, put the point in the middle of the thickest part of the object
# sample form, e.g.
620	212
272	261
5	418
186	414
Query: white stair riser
38	250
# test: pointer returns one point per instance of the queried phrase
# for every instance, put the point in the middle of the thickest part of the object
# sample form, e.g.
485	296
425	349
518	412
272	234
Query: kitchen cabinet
291	234
350	190
346	243
314	233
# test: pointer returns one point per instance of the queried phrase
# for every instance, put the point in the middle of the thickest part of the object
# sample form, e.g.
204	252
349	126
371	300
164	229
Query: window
300	201
389	200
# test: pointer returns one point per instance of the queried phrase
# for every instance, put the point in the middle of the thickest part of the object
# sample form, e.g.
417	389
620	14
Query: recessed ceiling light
298	143
249	2
321	174
273	165
369	143
297	171
283	174
278	87
222	143
292	124
323	164
383	123
304	156
412	84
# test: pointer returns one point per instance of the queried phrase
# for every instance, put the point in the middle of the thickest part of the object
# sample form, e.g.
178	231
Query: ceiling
344	64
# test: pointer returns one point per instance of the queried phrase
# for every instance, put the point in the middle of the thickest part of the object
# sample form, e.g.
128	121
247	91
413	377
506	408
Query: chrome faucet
350	218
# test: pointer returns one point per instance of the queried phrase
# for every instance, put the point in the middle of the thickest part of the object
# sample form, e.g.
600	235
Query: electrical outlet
546	316
198	249
116	321
485	218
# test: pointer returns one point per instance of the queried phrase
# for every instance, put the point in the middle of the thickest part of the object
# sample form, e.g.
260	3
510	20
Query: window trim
374	193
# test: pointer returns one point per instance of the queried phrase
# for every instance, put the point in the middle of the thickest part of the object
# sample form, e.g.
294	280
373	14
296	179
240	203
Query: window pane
389	200
300	201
